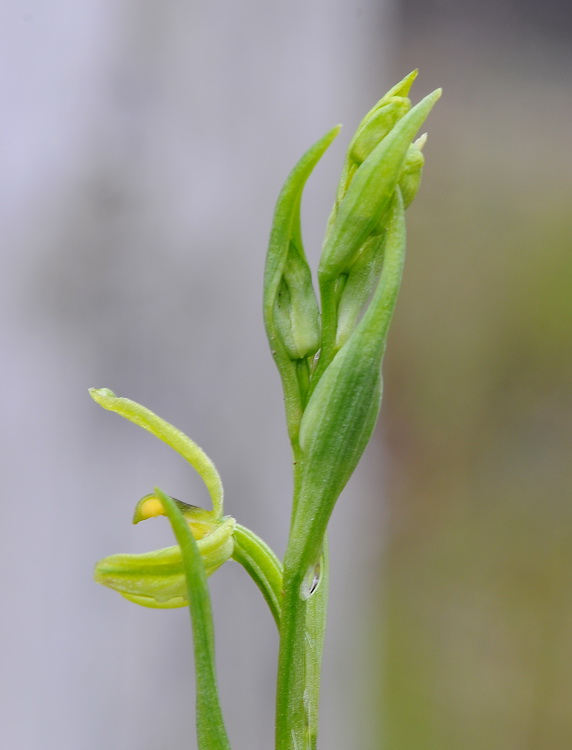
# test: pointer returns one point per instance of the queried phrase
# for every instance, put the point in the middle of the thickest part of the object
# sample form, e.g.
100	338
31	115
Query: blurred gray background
143	146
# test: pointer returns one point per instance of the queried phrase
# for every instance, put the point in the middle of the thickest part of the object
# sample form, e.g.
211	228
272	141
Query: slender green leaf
211	732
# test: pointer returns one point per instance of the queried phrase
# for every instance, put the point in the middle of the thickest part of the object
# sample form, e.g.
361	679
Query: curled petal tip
101	395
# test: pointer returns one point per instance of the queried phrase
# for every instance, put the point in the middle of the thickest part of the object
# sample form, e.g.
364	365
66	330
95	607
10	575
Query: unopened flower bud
297	317
366	204
373	130
374	127
410	178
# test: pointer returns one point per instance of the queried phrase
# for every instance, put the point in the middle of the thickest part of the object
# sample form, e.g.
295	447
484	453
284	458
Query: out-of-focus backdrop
143	145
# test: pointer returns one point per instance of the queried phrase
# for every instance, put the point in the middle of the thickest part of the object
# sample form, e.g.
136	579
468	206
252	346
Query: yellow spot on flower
151	508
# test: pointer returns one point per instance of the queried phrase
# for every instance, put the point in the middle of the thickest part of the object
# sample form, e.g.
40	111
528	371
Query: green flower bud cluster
333	387
364	207
374	127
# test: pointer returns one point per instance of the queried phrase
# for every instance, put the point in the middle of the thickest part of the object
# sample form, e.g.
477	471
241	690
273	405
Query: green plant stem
315	630
291	719
302	628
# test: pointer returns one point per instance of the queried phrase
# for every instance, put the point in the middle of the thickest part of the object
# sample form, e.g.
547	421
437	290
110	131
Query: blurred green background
477	417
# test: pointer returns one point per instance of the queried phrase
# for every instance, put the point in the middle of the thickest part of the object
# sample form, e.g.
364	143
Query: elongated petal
176	439
156	579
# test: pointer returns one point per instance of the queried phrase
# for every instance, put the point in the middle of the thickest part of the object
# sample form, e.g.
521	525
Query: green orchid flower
157	579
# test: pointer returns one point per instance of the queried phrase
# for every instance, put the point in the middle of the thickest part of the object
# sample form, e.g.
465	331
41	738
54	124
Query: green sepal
169	434
342	412
285	237
156	579
365	206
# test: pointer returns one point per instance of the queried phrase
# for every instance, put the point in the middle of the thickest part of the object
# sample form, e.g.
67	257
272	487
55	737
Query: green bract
343	409
291	315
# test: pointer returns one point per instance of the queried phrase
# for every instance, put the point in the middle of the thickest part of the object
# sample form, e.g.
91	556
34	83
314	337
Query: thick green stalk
315	631
302	628
291	717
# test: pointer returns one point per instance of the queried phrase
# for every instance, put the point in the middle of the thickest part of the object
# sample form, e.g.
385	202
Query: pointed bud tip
408	81
420	142
403	87
332	134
